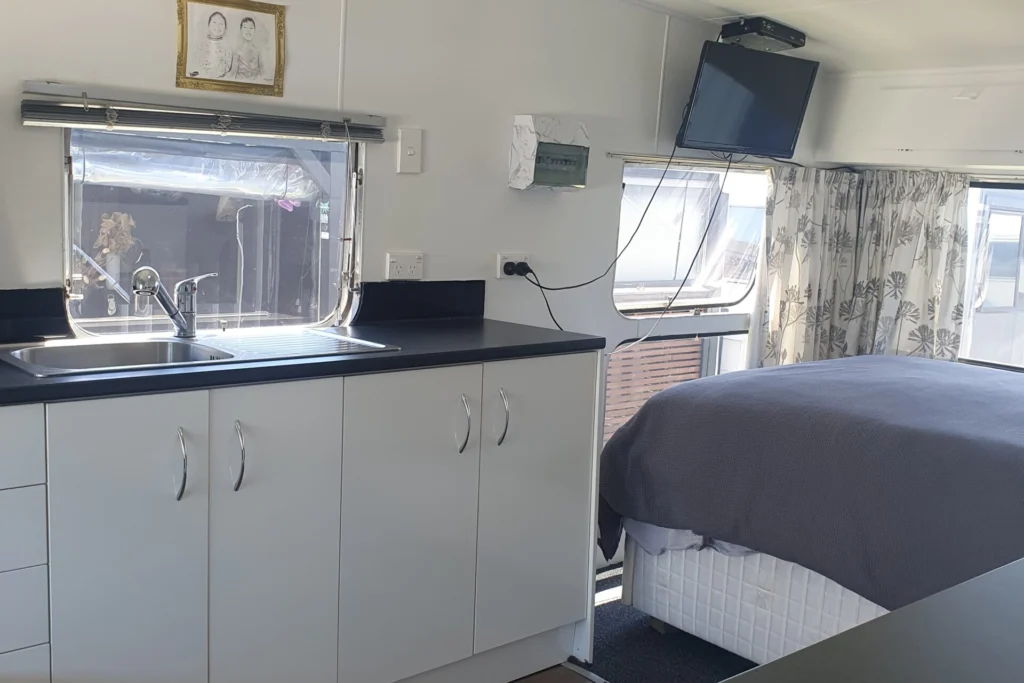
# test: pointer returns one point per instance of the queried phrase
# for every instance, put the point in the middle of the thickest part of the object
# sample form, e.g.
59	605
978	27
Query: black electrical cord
661	181
527	272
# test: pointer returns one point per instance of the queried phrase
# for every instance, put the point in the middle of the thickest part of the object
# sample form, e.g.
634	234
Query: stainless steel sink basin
80	357
69	358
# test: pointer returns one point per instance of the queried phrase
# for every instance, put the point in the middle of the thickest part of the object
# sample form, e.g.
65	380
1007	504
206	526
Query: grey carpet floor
627	650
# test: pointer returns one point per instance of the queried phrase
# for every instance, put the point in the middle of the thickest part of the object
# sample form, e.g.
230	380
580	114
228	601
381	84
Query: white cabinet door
408	522
22	446
274	541
535	501
31	665
128	561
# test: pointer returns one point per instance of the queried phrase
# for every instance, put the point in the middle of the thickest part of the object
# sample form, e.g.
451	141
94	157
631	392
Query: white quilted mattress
756	606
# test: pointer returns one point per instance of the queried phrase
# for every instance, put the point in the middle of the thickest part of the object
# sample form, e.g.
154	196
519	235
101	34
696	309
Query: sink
70	358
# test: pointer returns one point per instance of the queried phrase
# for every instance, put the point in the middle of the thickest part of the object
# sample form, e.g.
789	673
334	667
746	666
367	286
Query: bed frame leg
661	627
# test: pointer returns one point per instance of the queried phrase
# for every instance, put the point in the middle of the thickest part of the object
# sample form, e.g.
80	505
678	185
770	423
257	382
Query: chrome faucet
181	311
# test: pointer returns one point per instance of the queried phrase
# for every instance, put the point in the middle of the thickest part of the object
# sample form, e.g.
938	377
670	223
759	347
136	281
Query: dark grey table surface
973	633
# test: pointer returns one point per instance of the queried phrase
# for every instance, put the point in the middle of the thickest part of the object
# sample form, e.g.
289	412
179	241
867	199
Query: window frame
687	165
350	242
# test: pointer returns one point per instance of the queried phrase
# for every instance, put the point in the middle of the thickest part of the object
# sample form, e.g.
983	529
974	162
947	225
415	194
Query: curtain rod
703	161
1008	179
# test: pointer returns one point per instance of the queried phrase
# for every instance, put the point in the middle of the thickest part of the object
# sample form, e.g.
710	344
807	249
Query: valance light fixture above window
68	106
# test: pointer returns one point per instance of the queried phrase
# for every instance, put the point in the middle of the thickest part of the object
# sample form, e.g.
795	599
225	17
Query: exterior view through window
638	373
996	333
266	215
654	265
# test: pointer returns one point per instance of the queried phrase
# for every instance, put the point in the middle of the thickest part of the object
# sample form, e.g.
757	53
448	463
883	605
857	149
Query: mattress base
757	606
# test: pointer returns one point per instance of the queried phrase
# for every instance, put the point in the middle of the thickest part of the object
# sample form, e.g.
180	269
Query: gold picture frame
233	55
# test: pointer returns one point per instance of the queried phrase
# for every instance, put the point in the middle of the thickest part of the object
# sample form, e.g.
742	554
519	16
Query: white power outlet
408	266
510	258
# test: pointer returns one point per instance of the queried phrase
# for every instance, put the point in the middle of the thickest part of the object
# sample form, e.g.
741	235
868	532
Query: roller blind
88	111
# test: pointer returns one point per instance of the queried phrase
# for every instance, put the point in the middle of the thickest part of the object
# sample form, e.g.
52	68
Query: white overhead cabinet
535	466
128	537
408	522
275	532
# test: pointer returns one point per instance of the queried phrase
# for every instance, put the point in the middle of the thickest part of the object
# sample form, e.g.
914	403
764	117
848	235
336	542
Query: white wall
459	69
124	43
956	119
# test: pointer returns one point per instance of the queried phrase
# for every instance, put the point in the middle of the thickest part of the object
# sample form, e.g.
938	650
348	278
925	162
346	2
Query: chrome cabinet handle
469	424
184	464
241	446
504	399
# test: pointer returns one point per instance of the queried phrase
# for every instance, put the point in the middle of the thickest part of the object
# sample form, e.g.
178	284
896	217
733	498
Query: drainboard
297	344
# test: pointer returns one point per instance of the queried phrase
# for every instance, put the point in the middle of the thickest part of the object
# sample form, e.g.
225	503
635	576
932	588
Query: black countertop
423	344
973	632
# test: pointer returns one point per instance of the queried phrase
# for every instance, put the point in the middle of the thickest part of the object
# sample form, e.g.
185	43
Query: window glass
637	372
996	331
266	215
663	249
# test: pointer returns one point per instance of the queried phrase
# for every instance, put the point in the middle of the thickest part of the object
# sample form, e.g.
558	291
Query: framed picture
231	46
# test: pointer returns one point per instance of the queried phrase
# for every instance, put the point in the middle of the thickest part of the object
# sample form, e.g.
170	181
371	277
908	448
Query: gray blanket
895	477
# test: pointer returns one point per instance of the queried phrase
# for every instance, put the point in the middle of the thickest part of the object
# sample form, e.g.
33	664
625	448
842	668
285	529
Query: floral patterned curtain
857	266
811	223
914	259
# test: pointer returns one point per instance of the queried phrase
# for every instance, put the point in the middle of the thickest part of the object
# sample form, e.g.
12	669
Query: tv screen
747	101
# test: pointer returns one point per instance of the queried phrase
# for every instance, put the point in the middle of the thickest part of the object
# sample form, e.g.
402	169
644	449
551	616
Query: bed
768	509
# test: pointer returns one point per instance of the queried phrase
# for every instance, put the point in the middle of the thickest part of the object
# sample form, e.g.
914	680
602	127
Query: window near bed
665	251
995	330
636	374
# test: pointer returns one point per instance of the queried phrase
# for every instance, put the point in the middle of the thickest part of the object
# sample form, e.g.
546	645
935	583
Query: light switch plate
405	266
410	150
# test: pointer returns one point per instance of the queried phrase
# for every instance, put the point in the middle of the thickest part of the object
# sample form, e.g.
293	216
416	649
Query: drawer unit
22	446
24	619
22	528
31	665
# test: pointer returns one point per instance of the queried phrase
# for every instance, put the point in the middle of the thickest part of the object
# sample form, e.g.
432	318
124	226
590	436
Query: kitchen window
664	251
268	200
268	216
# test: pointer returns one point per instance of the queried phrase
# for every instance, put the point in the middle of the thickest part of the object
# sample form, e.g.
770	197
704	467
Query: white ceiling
855	35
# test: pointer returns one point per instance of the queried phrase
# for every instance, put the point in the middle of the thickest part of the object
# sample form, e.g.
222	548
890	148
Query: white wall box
31	665
23	447
535	509
274	541
24	618
22	528
128	560
548	152
408	522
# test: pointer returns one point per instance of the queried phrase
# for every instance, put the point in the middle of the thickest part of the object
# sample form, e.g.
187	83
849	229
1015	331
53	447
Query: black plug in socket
522	268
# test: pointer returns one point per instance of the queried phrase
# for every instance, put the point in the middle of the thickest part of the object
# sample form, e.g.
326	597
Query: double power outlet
510	258
409	265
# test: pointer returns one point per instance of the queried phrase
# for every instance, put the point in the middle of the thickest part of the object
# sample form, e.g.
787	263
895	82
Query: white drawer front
31	665
24	615
22	446
22	528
